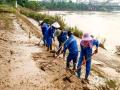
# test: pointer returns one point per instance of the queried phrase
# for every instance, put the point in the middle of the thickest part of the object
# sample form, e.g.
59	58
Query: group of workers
67	40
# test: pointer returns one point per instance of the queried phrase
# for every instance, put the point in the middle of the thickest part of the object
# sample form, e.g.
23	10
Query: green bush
76	31
47	18
50	19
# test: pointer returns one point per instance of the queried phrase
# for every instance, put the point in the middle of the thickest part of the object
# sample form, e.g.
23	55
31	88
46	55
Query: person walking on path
86	45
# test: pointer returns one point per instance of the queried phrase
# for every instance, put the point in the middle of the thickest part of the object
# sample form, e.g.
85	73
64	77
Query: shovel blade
67	79
42	68
52	51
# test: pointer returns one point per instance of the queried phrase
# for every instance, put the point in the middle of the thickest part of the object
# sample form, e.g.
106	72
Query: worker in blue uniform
61	39
50	34
44	27
50	37
71	45
86	45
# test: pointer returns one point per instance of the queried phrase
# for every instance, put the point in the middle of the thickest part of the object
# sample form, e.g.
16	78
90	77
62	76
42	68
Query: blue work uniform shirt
44	28
63	37
71	45
50	33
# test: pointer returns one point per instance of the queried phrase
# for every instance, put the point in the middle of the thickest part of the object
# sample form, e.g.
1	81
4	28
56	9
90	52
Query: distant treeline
10	2
37	5
42	5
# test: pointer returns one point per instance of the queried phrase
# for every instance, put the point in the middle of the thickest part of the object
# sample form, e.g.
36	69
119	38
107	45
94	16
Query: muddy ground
21	60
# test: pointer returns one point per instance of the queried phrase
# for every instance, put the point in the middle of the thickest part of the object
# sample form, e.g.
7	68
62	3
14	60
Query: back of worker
44	27
71	45
62	37
49	37
86	44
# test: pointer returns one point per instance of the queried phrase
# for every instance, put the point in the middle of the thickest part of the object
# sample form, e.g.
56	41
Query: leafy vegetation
58	5
76	31
50	19
5	22
6	8
47	18
9	2
38	16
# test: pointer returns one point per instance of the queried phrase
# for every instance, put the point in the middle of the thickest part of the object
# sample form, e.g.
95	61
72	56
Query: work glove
96	51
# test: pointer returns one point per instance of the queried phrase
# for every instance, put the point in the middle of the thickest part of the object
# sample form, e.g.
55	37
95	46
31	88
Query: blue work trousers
49	42
87	52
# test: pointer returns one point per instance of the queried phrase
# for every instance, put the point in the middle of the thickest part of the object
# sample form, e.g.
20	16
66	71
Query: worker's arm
65	48
96	43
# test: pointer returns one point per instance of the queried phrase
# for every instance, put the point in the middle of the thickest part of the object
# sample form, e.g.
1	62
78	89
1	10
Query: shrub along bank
50	19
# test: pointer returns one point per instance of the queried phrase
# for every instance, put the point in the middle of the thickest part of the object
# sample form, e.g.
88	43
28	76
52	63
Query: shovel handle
84	63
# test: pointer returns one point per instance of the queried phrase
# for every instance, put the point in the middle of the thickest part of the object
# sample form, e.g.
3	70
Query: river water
103	25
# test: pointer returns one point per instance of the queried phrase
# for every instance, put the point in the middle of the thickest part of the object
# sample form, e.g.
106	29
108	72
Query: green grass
76	31
5	22
7	8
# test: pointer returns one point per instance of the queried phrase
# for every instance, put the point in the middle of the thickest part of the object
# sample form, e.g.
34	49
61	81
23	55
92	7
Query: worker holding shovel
71	45
62	38
86	44
50	35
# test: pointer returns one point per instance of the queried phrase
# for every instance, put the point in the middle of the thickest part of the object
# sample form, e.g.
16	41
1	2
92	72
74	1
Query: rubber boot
47	48
74	66
50	47
67	65
86	79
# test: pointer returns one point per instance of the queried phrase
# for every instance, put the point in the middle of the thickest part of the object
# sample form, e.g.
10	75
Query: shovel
67	78
59	47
